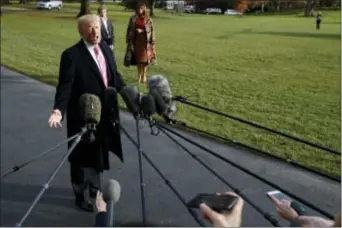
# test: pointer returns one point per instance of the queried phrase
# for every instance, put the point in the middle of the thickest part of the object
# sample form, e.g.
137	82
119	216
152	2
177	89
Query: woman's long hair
145	13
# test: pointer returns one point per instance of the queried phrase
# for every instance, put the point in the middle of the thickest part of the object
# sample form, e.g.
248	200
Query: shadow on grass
230	35
317	35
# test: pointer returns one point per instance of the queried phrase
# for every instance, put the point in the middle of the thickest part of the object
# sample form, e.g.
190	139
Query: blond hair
88	18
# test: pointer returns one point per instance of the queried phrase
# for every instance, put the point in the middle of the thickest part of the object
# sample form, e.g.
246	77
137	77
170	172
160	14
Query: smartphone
216	202
279	195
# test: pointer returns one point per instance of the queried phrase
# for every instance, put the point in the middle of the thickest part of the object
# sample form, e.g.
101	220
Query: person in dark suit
107	28
87	67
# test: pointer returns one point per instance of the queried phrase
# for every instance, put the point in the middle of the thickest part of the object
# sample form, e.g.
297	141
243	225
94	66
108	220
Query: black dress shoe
84	205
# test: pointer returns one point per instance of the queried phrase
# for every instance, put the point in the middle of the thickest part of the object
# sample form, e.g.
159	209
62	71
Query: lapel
89	61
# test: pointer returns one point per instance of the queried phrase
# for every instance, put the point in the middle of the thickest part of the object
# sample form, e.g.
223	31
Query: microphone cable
315	145
266	215
53	175
167	182
249	172
18	167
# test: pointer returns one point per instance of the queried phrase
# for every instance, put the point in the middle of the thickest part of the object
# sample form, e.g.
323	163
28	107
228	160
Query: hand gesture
139	30
225	219
55	119
284	209
100	203
111	47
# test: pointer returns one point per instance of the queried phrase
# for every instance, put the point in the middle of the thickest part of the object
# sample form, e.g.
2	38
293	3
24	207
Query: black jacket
79	74
107	37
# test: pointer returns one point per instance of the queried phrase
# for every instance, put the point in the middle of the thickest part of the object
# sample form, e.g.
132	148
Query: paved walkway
25	106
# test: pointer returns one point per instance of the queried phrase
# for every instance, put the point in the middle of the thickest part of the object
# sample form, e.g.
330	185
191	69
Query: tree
151	4
85	8
241	5
309	8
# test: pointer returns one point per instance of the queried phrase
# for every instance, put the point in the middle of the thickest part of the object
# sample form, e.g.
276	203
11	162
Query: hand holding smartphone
218	203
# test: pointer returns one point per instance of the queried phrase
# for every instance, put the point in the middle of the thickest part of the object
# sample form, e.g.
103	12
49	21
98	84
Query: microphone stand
18	167
142	184
53	175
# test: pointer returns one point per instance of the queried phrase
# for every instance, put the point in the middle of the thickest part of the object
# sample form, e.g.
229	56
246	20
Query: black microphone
148	108
90	109
160	105
131	97
111	195
111	104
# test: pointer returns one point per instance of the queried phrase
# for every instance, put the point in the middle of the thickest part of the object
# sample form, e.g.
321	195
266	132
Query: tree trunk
309	8
151	6
85	8
5	2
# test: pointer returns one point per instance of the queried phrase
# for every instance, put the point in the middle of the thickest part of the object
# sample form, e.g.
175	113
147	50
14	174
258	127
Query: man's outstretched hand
55	119
225	219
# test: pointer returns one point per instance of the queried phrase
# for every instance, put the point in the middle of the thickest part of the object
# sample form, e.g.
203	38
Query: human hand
100	203
284	209
139	30
55	118
225	219
314	221
111	47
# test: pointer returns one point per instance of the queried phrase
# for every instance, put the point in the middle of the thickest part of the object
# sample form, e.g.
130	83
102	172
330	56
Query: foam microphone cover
111	103
90	108
162	85
111	191
130	95
147	105
160	104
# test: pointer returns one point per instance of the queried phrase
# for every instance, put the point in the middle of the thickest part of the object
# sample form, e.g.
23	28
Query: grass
277	71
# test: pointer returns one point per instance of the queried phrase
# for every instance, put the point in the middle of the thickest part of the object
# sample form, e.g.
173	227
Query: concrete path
25	106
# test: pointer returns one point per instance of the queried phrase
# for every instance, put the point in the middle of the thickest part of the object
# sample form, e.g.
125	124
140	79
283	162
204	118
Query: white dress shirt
104	20
90	48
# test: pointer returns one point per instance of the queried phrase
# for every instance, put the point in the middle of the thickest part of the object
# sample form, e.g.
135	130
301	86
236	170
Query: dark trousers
318	25
85	179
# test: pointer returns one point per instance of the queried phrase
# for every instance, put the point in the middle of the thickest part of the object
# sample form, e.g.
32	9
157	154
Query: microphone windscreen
111	191
162	85
90	108
130	95
111	103
148	105
160	104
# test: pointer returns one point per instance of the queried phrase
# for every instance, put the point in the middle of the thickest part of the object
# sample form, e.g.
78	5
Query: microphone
131	97
159	88
111	104
90	109
148	108
111	195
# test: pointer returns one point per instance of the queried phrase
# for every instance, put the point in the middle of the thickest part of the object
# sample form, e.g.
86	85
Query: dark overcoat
79	74
107	36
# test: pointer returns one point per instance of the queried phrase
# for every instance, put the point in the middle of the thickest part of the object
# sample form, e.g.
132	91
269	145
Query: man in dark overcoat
87	67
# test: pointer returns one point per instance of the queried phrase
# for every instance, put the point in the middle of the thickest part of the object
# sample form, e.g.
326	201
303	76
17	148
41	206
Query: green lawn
277	71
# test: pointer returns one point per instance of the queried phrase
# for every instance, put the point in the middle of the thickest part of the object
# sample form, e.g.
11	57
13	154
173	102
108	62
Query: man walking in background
107	28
